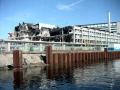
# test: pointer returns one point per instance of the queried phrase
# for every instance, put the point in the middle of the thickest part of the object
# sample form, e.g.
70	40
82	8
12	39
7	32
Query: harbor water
97	76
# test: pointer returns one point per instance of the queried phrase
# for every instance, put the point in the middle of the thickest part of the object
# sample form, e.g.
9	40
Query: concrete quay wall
27	59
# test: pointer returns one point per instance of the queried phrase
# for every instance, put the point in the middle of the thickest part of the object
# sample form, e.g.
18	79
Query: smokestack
109	24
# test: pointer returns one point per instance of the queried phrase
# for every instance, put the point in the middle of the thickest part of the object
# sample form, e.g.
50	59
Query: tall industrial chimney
109	24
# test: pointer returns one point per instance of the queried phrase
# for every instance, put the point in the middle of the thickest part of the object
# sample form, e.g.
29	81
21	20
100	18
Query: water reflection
18	78
101	76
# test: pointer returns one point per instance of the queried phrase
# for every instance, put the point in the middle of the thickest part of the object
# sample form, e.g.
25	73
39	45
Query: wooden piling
17	59
49	55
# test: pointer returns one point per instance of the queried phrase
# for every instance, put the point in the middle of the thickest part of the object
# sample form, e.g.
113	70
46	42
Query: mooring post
49	54
17	59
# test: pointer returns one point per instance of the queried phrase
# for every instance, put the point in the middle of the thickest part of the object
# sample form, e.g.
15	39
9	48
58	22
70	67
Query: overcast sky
57	12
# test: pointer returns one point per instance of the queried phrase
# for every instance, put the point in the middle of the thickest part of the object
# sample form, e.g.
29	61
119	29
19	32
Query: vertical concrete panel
17	59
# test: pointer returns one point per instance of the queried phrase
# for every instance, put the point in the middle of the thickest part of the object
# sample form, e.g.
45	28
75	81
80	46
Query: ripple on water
102	76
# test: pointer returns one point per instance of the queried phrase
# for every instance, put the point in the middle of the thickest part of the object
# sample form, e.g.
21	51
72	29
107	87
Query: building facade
33	32
90	36
94	38
115	26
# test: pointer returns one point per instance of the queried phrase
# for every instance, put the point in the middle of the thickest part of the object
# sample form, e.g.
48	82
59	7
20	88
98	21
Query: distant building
89	36
115	26
28	31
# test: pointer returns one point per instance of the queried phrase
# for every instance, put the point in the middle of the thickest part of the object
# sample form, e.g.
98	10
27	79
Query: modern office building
96	38
114	26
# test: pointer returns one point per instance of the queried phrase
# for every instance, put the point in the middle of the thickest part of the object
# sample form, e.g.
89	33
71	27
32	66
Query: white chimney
109	24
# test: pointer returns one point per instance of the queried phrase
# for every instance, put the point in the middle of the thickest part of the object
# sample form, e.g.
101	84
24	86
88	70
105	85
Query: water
99	76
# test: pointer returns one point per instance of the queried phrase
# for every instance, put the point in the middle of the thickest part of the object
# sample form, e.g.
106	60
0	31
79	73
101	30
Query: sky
56	12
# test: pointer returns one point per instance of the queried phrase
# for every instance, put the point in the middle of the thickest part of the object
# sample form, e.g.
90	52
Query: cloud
20	16
68	6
